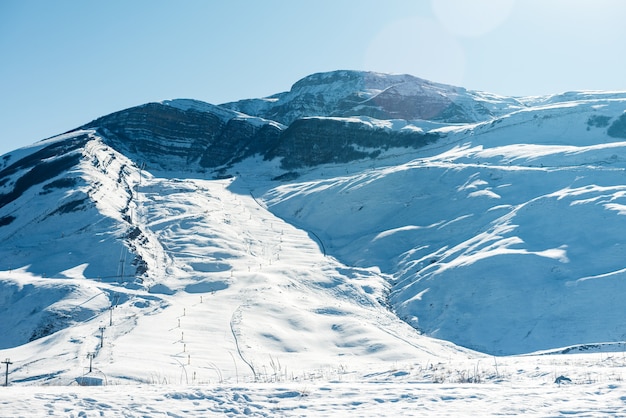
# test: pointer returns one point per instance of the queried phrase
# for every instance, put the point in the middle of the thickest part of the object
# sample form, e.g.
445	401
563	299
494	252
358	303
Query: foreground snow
522	386
318	400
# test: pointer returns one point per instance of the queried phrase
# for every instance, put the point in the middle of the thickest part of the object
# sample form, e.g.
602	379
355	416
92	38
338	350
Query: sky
67	62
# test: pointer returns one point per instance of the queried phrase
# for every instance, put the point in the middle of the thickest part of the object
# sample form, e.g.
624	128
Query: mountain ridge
382	96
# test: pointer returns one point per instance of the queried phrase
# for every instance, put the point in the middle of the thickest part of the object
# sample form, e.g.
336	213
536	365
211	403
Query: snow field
522	386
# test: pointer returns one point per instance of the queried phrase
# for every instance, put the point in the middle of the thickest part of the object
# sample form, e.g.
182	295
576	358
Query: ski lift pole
6	378
102	336
90	357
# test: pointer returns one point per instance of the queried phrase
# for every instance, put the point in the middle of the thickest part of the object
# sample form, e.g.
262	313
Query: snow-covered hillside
174	255
314	237
506	236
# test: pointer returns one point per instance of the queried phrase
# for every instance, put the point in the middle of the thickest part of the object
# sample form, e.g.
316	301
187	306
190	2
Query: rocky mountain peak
382	96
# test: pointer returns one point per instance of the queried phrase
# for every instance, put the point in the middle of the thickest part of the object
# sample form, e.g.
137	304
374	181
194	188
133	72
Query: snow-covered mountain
341	224
380	96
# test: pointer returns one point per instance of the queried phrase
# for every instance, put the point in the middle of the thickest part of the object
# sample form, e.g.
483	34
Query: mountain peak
356	79
347	93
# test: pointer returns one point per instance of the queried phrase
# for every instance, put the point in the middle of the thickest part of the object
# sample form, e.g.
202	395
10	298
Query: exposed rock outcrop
188	138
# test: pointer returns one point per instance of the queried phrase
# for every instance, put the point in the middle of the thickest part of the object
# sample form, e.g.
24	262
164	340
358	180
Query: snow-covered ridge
223	113
200	106
384	96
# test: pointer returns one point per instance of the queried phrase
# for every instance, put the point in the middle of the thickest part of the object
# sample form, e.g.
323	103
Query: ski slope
232	293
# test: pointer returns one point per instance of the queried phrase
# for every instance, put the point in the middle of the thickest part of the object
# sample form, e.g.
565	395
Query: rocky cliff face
313	141
188	138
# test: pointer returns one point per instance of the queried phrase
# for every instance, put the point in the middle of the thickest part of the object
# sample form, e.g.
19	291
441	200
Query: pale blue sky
64	63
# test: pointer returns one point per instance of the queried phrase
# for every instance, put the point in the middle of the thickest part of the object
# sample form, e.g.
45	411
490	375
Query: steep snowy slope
68	216
506	236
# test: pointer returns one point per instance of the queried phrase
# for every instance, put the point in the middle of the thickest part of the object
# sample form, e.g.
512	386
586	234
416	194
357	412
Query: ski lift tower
6	378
